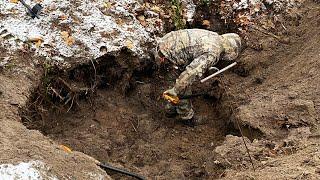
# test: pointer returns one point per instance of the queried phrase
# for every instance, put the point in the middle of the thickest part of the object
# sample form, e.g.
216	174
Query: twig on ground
57	94
73	89
266	32
245	144
71	104
95	76
133	126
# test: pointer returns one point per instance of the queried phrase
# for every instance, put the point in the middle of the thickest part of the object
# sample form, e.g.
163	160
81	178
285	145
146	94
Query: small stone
306	161
151	14
292	95
216	162
263	162
259	80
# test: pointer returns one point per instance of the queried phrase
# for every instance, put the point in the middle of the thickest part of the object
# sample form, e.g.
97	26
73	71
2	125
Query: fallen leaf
107	5
38	44
14	1
70	41
142	20
156	9
119	21
129	44
64	34
65	148
63	17
243	20
206	23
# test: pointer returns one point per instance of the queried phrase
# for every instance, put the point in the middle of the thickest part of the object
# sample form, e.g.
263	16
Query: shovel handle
29	9
218	72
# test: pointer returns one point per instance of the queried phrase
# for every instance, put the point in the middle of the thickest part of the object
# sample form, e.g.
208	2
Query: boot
170	111
196	120
199	119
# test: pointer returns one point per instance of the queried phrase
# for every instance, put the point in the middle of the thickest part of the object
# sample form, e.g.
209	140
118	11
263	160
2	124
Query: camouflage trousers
183	109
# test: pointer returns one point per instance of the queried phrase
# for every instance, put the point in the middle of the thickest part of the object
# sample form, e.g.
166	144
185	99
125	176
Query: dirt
279	96
18	144
124	124
111	109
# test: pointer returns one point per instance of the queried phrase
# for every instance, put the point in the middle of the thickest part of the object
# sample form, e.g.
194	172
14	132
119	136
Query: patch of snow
33	170
90	23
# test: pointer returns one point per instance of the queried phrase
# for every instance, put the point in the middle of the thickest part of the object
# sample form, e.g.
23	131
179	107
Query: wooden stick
218	72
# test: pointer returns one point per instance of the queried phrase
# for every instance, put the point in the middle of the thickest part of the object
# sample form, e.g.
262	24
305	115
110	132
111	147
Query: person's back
182	46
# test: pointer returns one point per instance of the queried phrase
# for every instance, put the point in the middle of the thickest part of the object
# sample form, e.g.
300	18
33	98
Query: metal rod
122	171
218	72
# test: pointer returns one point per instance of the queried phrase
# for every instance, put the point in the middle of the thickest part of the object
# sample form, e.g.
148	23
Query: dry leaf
14	1
65	148
243	20
68	39
146	5
38	44
156	9
63	17
142	20
206	23
107	5
64	34
129	44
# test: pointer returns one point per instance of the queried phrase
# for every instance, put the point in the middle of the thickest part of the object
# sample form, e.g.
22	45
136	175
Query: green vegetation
177	18
47	78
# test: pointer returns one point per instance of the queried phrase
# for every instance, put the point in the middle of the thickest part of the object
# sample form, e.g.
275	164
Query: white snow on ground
90	24
33	170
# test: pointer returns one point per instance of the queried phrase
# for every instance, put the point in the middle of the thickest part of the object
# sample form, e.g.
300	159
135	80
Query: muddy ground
123	121
111	109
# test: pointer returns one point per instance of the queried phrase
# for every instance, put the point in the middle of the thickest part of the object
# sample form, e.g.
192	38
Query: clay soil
115	112
123	122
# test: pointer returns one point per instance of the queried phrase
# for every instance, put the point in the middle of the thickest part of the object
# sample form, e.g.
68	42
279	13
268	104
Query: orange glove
171	96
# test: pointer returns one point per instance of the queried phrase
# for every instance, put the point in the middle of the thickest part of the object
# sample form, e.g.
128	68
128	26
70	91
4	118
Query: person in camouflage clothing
194	50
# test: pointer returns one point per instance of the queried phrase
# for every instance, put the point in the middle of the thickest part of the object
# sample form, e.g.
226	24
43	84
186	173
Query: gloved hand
171	95
171	92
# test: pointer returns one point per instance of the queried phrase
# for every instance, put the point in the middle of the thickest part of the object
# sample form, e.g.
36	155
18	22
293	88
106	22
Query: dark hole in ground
111	109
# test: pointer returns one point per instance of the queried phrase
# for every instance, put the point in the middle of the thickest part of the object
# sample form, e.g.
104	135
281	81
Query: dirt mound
282	90
280	99
20	146
122	121
111	109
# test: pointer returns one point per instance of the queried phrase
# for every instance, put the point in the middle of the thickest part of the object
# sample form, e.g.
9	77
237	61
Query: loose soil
123	121
112	110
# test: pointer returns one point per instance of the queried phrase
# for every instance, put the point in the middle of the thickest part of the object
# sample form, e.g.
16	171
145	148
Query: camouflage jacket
197	50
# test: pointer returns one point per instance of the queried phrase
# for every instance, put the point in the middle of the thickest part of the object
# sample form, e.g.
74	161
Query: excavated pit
112	110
